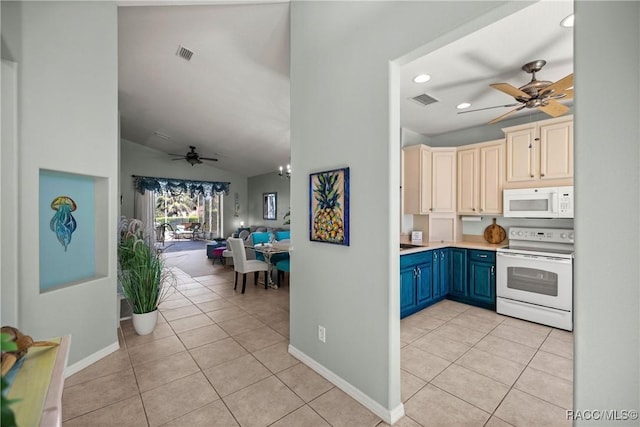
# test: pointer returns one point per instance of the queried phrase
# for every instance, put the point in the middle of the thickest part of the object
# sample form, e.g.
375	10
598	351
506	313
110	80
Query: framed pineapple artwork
329	206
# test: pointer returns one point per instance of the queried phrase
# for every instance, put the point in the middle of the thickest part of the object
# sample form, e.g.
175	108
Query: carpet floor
183	245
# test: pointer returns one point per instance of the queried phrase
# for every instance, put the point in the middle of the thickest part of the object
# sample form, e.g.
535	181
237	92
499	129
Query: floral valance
180	186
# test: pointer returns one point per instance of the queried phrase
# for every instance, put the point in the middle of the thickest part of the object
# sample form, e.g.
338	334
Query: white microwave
545	202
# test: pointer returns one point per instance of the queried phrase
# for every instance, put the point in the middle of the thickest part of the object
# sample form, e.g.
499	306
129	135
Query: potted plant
143	278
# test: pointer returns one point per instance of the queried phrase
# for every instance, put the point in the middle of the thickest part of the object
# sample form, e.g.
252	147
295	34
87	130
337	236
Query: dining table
268	250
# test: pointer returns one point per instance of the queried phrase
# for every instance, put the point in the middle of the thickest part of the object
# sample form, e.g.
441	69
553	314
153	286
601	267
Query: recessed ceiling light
463	106
567	22
421	78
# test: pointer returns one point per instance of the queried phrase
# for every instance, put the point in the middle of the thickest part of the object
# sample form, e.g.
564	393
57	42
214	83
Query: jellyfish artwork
63	223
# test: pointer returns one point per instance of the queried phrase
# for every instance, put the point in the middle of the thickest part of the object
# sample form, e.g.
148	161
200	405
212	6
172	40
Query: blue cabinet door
441	272
424	284
407	290
482	277
458	282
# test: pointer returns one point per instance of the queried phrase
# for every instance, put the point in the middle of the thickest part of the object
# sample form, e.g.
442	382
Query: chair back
238	252
260	237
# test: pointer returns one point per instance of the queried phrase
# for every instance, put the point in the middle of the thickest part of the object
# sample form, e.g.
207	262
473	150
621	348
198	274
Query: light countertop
465	244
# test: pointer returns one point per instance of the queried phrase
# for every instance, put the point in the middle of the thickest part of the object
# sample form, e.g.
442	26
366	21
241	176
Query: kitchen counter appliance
535	276
543	202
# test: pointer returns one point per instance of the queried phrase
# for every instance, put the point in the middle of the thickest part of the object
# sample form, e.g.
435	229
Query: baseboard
388	416
87	361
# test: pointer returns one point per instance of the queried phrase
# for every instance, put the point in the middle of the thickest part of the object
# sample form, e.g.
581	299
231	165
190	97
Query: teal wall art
67	229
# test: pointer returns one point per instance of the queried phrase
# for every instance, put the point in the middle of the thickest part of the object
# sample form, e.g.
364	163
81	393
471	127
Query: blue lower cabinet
482	282
415	283
465	275
407	290
482	278
441	272
458	282
424	284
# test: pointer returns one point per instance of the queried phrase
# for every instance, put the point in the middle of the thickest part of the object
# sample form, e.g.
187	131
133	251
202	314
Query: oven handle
542	258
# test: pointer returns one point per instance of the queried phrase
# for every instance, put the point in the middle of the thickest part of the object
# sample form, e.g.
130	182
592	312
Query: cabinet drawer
481	256
415	259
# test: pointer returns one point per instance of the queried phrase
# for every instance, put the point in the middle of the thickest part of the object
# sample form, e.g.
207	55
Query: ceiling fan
538	94
192	157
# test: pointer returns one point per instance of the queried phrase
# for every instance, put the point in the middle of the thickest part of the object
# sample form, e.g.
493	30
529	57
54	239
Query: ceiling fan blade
208	158
568	94
497	119
560	86
181	158
179	155
489	108
554	108
510	90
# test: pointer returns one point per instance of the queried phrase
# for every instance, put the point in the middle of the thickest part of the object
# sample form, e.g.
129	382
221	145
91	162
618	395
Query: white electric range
535	276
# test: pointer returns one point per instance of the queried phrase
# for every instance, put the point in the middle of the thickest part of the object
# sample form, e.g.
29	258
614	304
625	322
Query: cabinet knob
531	175
480	209
473	209
431	209
493	270
541	174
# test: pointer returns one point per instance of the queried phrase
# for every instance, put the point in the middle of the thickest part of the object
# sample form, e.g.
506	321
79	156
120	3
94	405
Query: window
181	208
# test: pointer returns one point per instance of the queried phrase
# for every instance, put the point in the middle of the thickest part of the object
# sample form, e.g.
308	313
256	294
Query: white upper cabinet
417	180
429	180
468	180
540	153
443	188
491	177
556	150
480	178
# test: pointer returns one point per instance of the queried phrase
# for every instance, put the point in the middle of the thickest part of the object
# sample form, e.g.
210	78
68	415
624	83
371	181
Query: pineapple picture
330	206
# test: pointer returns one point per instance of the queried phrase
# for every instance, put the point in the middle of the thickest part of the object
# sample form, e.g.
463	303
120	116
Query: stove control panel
551	235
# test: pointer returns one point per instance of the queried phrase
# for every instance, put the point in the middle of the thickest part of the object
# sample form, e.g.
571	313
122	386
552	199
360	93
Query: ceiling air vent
424	99
184	53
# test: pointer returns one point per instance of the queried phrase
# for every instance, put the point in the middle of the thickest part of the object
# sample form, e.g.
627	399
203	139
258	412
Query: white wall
607	182
67	86
267	183
9	185
341	116
136	159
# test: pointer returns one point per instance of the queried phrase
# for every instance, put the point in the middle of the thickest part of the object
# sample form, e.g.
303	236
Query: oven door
545	281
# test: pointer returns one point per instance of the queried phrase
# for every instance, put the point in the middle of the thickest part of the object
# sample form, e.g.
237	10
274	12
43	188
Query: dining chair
283	267
243	265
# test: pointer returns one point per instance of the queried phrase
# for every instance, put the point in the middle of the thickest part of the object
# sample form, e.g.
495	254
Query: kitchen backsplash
477	227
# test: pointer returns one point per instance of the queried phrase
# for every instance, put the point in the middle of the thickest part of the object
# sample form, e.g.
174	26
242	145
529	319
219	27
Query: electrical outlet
322	336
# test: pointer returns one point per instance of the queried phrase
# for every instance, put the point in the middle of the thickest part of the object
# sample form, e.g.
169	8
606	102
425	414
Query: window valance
180	186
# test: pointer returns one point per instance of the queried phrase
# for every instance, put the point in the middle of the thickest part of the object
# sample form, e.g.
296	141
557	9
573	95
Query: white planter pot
145	323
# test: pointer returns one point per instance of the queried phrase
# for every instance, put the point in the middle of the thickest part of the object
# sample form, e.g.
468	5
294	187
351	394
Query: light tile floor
219	358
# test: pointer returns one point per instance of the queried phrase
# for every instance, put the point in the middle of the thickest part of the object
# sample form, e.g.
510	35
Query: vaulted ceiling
231	99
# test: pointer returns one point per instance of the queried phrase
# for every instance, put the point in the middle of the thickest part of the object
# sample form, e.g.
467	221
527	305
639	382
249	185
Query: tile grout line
492	414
